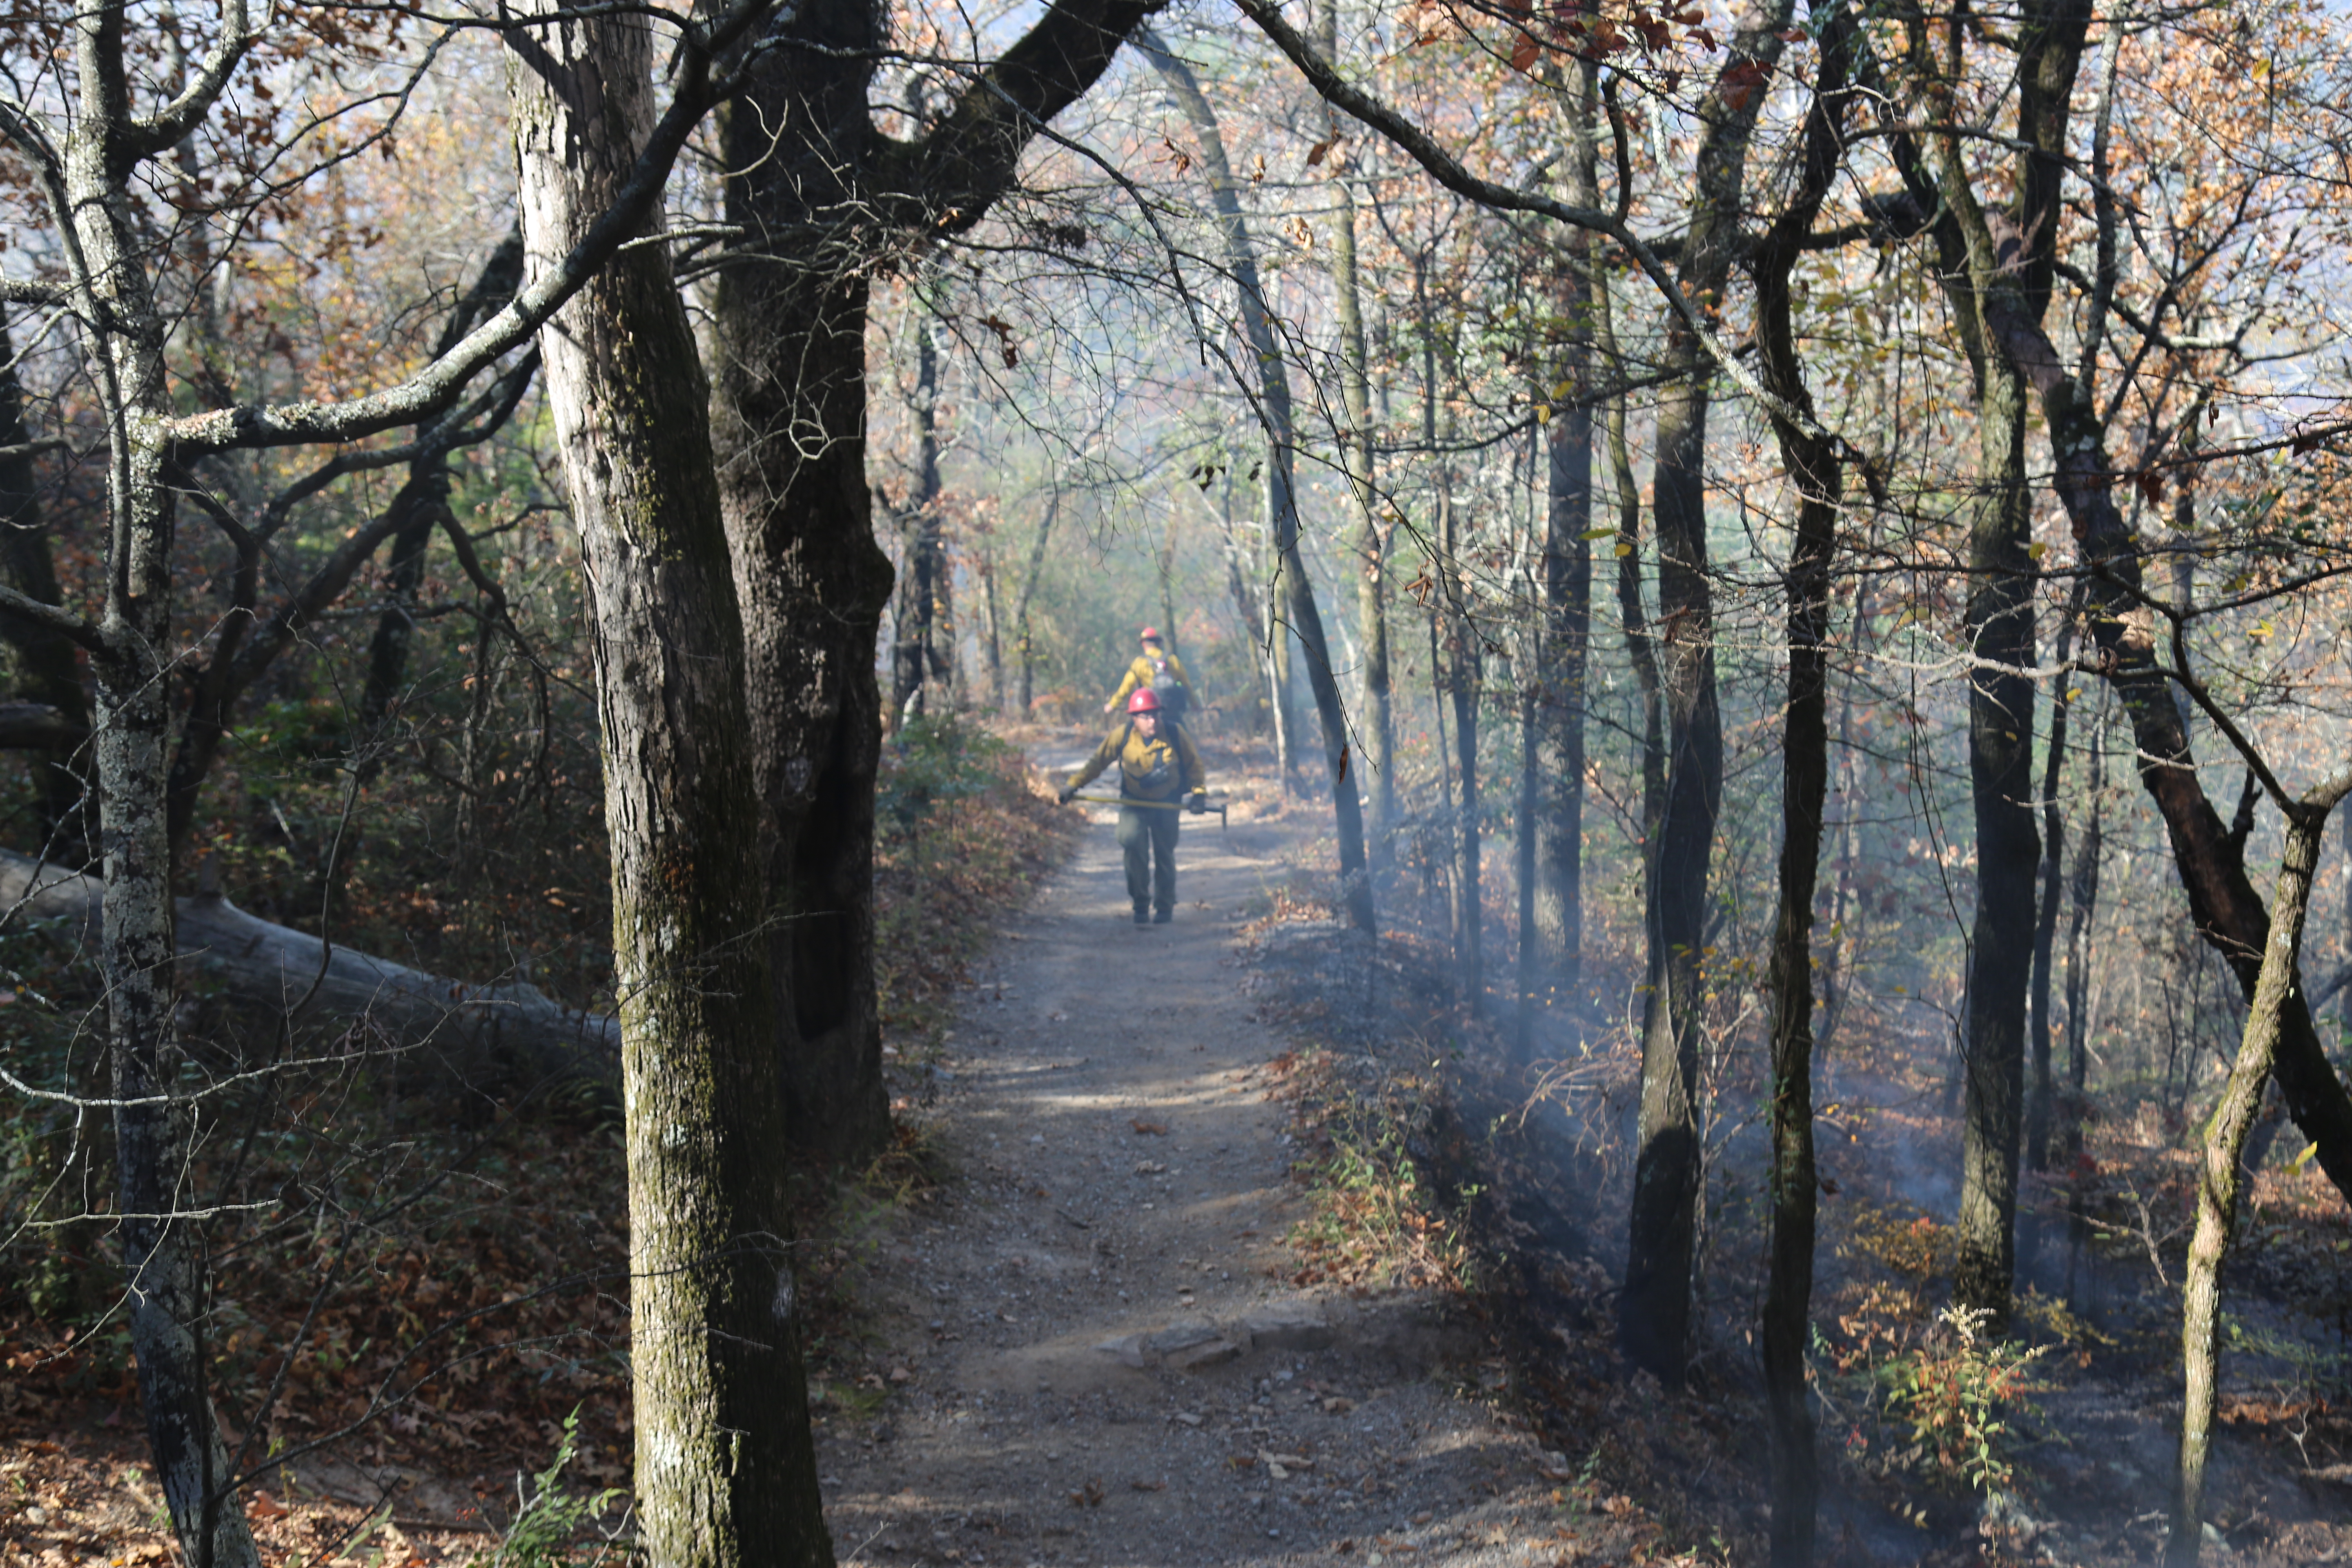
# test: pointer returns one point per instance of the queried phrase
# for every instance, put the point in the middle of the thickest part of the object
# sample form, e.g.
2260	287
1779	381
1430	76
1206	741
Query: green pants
1147	834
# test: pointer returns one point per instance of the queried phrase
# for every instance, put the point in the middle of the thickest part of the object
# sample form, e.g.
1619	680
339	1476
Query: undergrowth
962	832
438	1286
1375	1218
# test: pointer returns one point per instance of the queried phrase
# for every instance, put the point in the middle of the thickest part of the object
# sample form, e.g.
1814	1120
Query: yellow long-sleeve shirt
1140	673
1166	767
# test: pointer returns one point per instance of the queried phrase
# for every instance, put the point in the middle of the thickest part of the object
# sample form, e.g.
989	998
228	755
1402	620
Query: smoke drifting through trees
1883	401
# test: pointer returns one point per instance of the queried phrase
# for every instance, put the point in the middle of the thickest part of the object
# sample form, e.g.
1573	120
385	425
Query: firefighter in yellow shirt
1158	767
1159	672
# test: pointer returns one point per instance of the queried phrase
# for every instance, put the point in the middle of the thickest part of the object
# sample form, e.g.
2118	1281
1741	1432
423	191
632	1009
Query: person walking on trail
1160	672
1158	767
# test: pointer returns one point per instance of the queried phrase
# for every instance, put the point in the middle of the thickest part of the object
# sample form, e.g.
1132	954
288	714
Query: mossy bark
2221	1174
724	1463
163	1250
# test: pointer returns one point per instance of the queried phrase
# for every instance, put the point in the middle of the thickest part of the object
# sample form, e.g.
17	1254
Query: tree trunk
1028	591
994	648
1375	721
1655	1309
914	661
427	487
2045	924
1465	672
1837	985
1996	267
1293	588
823	195
2009	850
162	1249
1562	673
1641	648
726	1469
2085	897
48	670
1523	849
1273	658
789	342
1818	475
2221	1174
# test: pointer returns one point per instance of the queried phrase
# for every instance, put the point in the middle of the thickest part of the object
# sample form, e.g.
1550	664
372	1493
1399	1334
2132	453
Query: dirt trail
1089	1354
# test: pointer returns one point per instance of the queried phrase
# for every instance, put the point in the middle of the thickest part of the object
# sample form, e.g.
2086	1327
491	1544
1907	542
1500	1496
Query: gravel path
1086	1350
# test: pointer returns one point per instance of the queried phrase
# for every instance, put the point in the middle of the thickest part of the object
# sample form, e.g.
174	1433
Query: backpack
1170	688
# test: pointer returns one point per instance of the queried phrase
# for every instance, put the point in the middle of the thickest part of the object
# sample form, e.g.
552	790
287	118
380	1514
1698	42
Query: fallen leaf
1146	1128
265	1507
1149	1486
1088	1496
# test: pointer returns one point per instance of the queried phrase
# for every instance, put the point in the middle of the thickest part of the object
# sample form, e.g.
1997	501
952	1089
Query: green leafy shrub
1954	1400
551	1516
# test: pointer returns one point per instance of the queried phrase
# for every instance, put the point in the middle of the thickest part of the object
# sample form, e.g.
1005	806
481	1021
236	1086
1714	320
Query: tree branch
171	123
438	384
1446	171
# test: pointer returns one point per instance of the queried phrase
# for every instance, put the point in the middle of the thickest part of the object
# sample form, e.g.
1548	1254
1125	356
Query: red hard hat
1150	633
1145	700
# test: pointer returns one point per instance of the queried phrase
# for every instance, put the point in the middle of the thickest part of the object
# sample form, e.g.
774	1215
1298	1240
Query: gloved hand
1066	796
1200	801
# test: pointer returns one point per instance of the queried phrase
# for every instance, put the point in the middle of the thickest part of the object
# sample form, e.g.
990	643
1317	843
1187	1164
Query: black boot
1162	915
1142	912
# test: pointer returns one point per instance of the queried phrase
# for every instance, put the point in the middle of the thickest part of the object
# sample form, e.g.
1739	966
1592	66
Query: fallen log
36	726
490	1040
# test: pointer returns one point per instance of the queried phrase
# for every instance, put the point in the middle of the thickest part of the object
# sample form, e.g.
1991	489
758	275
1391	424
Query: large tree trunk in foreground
2221	1175
726	1469
789	336
1654	1313
824	197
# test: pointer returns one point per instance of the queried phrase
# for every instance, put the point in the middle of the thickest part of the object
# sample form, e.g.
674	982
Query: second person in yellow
1159	672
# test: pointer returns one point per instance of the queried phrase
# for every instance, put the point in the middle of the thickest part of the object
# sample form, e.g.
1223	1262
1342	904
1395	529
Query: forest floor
1235	1241
1092	1350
